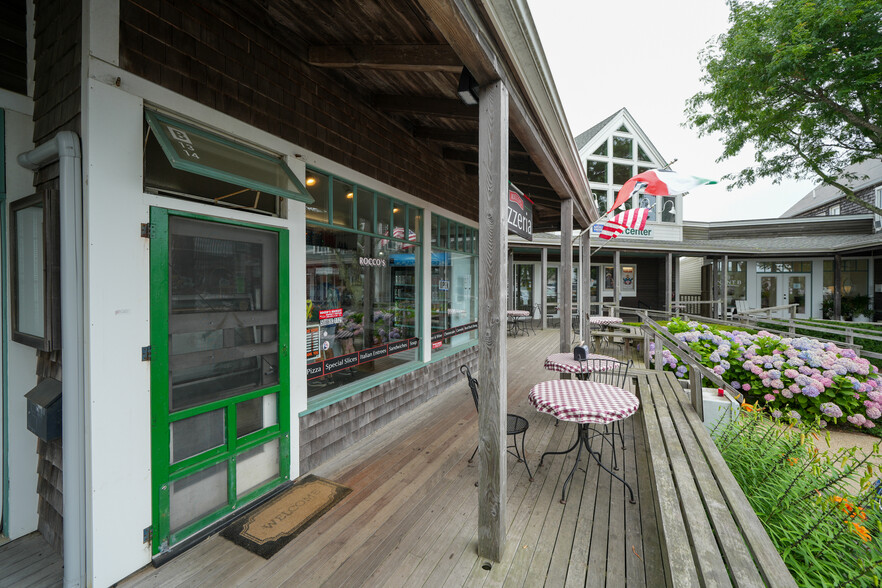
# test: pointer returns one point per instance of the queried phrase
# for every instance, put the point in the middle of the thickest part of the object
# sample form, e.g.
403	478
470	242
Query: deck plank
411	518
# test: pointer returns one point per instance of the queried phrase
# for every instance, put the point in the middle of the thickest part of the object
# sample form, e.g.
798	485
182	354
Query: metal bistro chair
614	373
517	425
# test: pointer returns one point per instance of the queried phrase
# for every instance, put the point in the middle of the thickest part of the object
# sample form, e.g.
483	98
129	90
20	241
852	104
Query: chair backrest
609	371
537	311
741	306
473	383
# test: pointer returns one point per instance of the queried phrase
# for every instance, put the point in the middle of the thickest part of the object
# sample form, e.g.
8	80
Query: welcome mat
269	528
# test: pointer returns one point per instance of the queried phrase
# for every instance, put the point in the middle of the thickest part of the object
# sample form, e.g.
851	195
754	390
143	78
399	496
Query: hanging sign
520	214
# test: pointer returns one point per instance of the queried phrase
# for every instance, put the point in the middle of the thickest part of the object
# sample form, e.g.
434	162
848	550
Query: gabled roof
585	137
869	173
588	141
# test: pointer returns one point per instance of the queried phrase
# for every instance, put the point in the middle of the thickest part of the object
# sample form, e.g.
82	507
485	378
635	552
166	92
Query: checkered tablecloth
583	402
518	313
564	362
604	320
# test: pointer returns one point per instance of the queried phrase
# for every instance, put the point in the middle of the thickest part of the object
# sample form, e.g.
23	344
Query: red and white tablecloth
604	320
518	313
564	362
583	402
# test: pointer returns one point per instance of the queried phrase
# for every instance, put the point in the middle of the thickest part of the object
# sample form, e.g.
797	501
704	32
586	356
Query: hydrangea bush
797	377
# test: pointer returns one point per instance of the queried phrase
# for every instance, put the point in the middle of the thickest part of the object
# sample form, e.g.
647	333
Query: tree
802	81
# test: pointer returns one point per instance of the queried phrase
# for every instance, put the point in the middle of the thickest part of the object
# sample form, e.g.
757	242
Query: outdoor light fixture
673	209
394	210
310	181
349	196
468	88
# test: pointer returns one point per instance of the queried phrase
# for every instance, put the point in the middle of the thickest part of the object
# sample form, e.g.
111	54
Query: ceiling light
310	181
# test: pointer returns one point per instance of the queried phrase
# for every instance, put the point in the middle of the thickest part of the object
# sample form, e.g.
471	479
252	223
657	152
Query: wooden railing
654	332
791	308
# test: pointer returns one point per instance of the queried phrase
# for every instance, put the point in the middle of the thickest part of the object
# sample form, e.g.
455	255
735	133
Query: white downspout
65	147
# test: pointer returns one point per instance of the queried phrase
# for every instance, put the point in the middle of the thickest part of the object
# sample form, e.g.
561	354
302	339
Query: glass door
784	289
551	305
524	287
219	369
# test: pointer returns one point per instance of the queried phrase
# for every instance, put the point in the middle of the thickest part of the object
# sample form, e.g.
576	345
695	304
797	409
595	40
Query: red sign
516	198
437	344
329	314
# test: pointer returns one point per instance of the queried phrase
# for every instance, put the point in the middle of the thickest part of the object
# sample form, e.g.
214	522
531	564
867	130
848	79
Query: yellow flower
746	407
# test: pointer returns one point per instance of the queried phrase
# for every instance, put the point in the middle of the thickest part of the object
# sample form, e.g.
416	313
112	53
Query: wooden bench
710	535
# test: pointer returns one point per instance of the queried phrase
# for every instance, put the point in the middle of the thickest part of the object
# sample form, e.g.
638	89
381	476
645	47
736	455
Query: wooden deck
29	562
411	519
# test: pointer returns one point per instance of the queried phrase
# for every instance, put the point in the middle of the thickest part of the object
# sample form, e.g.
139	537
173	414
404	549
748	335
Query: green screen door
219	369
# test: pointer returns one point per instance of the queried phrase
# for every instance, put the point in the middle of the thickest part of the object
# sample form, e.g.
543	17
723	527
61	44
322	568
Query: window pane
622	147
442	233
669	210
414	223
642	155
197	496
256	414
600	199
597	171
642	168
398	220
196	434
365	199
224	311
29	266
434	230
648	201
621	173
454	299
318	187
601	149
384	215
363	292
256	467
344	197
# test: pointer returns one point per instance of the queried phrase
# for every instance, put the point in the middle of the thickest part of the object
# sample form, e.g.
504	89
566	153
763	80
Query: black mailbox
44	410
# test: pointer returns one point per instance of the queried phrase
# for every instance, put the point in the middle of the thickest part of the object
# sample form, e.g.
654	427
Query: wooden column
617	276
724	288
837	287
585	281
512	281
493	247
714	293
543	283
677	283
565	277
669	270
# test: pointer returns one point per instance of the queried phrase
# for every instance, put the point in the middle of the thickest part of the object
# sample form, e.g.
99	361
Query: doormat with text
267	529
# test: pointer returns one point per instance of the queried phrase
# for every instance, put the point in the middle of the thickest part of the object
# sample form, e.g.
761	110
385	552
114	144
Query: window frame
51	337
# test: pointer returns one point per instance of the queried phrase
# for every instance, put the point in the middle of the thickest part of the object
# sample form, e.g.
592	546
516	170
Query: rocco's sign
520	214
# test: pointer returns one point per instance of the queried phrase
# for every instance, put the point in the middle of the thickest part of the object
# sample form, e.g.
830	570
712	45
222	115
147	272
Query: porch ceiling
393	56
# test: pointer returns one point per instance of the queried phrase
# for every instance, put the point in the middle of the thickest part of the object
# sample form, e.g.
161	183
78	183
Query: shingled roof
583	138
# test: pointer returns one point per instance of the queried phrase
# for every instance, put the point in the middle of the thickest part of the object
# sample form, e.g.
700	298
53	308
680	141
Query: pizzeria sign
520	214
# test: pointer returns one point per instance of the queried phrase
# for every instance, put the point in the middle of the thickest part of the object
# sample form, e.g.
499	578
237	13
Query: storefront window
736	289
454	286
854	276
362	291
784	267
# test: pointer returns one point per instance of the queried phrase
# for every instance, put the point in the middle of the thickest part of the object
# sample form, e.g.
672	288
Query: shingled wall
327	432
211	54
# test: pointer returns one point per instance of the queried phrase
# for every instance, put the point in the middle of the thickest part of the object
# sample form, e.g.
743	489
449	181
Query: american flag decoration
629	219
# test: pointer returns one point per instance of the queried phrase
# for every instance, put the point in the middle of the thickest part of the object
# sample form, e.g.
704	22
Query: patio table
604	321
564	363
584	403
515	321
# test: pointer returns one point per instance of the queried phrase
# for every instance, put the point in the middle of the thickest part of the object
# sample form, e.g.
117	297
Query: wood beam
543	287
669	270
516	162
428	105
585	287
520	179
492	319
387	57
467	138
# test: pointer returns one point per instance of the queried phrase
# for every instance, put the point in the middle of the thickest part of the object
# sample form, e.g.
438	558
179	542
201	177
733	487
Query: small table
604	321
515	321
564	363
584	403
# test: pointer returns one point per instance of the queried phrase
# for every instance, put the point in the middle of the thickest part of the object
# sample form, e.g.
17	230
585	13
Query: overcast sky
643	55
